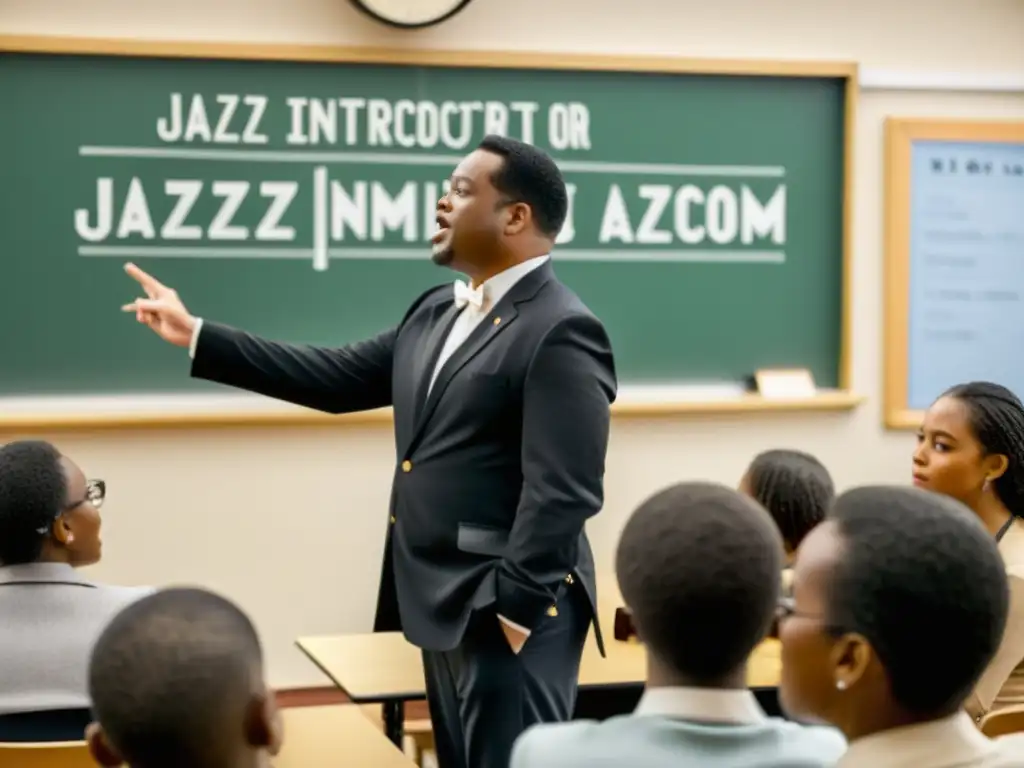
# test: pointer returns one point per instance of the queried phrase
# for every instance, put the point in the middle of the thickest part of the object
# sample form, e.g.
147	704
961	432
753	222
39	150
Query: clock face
411	13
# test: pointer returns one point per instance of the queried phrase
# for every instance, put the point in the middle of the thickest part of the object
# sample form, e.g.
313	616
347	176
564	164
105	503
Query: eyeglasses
787	607
95	493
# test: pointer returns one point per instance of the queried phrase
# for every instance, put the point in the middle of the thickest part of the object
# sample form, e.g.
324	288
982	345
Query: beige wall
299	546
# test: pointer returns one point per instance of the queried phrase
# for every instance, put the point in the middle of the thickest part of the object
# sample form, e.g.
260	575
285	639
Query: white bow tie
465	295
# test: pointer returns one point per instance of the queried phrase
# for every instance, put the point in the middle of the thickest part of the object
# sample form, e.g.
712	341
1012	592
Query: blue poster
966	267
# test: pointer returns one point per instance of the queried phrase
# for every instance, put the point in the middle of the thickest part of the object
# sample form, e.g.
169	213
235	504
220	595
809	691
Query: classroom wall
290	522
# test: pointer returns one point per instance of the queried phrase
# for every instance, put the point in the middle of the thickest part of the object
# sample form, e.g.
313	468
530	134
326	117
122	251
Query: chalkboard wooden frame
900	135
191	411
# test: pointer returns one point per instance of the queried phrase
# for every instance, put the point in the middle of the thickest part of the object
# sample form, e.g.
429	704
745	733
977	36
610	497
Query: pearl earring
840	685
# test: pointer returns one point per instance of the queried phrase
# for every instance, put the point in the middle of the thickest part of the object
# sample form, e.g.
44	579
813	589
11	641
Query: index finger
146	280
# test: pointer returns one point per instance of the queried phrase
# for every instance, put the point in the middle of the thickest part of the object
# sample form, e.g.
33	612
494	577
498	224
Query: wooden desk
384	668
334	737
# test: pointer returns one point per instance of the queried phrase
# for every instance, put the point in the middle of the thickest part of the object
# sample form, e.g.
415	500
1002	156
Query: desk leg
394	721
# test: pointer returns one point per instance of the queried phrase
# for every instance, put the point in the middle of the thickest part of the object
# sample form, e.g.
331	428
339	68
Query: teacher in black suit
501	391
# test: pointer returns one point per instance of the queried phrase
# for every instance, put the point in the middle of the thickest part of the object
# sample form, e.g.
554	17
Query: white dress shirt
469	318
723	705
491	291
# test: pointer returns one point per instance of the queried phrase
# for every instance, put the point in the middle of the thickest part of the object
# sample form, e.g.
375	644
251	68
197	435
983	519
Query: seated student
49	527
176	681
971	447
698	565
795	488
899	602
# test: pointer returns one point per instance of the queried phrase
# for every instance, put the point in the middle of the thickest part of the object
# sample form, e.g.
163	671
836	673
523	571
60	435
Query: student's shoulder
1011	547
1009	751
561	745
117	596
813	741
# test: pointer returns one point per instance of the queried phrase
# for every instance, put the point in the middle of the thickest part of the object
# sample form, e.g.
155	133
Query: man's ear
264	728
100	749
519	217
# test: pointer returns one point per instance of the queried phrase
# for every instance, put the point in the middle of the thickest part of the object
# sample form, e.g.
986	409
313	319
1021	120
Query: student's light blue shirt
678	728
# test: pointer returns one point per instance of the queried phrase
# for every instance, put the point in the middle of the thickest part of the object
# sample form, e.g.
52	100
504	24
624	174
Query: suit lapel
501	316
427	360
496	321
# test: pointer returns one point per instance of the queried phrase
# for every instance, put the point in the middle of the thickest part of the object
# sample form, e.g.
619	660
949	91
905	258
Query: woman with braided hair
971	447
794	487
797	491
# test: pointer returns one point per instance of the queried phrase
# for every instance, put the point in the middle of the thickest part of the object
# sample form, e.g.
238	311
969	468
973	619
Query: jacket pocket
482	540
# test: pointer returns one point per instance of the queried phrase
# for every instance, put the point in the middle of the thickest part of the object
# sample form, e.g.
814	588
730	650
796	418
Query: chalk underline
398	158
364	253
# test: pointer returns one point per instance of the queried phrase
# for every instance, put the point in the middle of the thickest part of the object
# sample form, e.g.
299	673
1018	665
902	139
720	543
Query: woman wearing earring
899	603
50	615
971	447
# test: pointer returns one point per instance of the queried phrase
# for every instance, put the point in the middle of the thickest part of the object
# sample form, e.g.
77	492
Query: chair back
1003	721
55	754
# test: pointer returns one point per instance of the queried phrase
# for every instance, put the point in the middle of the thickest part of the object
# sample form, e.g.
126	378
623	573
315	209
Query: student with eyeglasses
899	602
51	614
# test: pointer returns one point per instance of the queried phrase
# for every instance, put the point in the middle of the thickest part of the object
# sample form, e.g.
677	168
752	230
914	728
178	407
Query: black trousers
482	695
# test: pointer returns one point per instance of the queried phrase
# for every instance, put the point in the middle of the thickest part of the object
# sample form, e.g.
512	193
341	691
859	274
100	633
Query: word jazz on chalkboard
355	121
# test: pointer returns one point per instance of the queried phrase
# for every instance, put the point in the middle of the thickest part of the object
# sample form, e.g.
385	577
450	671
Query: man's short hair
528	175
171	676
699	566
33	492
923	581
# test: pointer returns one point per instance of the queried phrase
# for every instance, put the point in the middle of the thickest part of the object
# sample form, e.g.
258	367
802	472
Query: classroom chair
419	737
419	734
1004	721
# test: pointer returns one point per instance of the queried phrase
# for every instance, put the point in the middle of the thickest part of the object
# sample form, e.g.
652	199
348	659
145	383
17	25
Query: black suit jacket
496	470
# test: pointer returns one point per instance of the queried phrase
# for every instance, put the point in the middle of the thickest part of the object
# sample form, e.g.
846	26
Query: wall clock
411	14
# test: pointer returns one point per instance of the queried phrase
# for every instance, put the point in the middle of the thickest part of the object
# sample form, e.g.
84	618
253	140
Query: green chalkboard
296	199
